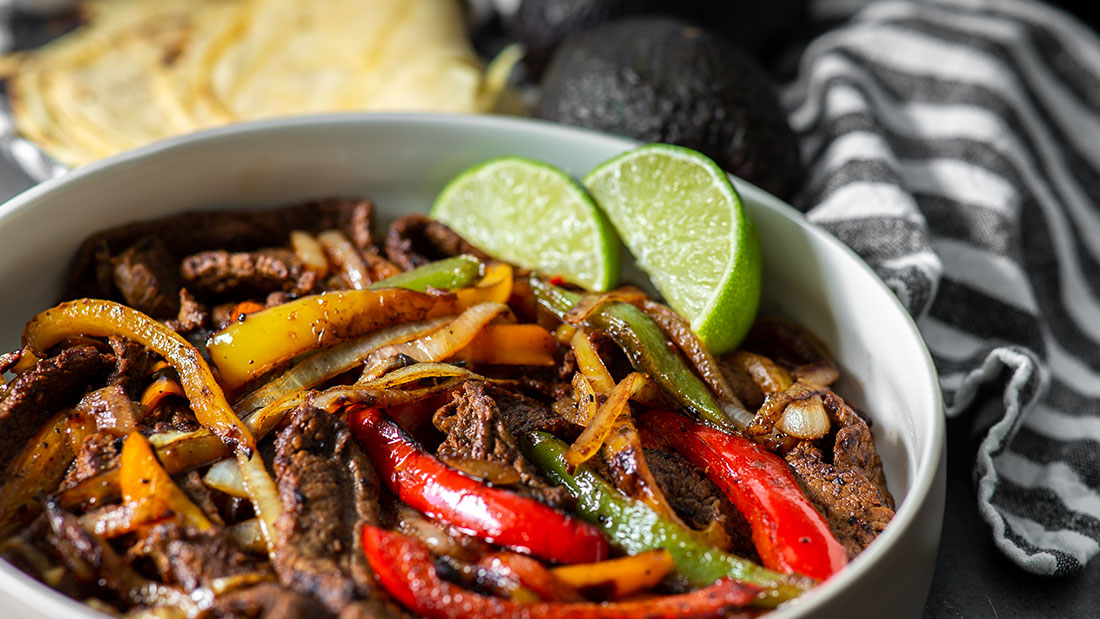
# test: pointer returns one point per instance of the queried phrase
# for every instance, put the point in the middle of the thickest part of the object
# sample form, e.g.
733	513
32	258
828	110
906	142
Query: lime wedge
534	215
680	216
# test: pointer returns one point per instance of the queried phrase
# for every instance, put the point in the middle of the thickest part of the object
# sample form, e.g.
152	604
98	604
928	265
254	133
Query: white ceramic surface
402	161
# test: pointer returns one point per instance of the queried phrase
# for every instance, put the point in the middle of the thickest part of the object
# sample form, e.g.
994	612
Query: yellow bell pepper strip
495	286
647	348
634	527
248	348
323	365
34	473
141	478
98	318
524	344
618	578
446	274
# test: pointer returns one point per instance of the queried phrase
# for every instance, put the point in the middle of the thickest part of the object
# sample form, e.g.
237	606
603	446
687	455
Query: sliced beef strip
249	273
844	480
9	359
190	558
328	489
201	495
145	275
112	410
416	240
92	561
267	601
697	500
192	315
482	424
100	452
39	392
133	362
190	233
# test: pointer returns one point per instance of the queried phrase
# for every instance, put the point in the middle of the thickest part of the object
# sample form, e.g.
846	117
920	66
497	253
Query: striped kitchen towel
955	145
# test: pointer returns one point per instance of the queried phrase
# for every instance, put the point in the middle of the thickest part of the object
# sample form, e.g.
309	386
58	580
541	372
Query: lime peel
681	217
534	215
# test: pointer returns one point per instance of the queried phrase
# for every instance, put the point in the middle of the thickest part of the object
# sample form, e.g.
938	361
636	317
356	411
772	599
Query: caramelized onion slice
438	345
249	535
262	494
768	376
805	418
589	362
590	441
589	303
491	471
346	258
225	475
309	251
326	364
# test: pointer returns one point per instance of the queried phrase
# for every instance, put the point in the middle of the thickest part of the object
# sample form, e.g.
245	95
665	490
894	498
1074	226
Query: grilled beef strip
266	601
482	423
416	240
146	276
39	392
250	273
190	558
328	489
842	476
697	500
232	231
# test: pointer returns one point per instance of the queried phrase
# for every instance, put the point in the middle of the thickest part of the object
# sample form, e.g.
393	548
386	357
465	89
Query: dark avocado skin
661	80
758	27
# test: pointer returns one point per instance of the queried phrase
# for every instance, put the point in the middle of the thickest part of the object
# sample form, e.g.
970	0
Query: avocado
657	79
758	27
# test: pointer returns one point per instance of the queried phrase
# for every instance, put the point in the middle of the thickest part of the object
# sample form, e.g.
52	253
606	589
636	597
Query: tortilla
140	71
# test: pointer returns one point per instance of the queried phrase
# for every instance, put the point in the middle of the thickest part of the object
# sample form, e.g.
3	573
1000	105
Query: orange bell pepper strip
142	478
248	348
618	578
98	318
158	390
405	569
523	344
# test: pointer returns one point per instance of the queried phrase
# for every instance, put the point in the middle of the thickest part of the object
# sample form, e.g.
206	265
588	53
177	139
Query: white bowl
402	161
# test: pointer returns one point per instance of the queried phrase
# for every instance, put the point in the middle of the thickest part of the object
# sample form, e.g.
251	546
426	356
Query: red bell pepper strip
790	535
492	514
404	567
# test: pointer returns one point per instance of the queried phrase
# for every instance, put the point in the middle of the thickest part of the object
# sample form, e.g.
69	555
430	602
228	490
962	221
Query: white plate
402	161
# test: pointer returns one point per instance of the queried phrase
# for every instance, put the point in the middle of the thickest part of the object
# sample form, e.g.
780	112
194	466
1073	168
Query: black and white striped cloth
955	145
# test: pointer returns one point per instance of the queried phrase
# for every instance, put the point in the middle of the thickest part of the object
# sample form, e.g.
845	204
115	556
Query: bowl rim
14	581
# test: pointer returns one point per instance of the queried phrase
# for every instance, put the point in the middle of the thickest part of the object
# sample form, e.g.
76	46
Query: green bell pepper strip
446	274
645	345
634	527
